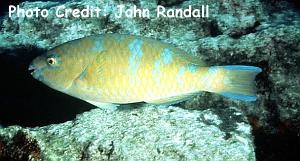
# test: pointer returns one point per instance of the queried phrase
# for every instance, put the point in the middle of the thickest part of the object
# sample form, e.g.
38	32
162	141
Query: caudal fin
240	82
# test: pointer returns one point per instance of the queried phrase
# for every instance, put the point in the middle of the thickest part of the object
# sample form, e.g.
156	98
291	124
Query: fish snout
31	68
34	70
35	65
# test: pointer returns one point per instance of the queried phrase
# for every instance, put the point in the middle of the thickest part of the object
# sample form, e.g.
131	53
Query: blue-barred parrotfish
121	69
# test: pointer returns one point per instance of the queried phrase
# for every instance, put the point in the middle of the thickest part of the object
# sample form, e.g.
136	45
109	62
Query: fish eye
51	61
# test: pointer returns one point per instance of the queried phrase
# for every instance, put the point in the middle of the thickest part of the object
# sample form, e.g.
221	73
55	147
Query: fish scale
141	81
115	68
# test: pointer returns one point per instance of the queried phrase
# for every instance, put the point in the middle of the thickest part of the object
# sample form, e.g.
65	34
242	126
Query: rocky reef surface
144	133
251	32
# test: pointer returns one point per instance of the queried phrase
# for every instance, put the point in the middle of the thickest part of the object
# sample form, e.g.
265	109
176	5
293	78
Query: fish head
57	68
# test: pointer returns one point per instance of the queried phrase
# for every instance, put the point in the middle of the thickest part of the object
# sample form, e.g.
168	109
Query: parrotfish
121	69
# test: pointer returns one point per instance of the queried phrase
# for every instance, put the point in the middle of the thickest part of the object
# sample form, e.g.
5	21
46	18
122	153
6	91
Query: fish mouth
32	69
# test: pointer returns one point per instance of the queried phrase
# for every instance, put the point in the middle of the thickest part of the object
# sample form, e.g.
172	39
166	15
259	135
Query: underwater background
39	123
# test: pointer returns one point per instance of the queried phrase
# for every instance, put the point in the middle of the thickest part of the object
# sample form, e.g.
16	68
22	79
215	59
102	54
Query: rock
184	33
144	133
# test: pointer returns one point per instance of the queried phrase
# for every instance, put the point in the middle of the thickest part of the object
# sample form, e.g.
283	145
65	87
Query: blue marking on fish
156	66
193	68
181	70
53	55
242	67
98	47
157	71
226	80
136	54
212	70
119	38
238	96
180	74
83	74
167	55
37	75
205	77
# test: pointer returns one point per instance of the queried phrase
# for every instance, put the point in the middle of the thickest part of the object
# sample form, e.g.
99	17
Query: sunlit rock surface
144	133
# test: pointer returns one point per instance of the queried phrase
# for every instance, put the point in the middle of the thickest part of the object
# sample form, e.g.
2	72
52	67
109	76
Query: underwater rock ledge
146	133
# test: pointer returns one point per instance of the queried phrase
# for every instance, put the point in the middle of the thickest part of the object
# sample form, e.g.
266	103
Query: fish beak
30	68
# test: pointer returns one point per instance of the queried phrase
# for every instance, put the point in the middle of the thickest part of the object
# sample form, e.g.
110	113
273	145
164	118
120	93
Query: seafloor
38	123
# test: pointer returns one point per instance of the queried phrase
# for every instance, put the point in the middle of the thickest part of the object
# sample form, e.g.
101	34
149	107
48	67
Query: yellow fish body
115	68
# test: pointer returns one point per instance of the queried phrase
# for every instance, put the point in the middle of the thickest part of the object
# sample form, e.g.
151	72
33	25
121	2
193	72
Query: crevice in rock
169	3
214	29
19	148
238	32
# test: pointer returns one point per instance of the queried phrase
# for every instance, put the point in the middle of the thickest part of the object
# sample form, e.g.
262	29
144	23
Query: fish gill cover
38	123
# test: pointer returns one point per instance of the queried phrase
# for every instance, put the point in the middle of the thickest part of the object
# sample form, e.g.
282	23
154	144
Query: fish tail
239	82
